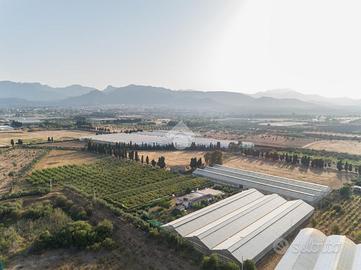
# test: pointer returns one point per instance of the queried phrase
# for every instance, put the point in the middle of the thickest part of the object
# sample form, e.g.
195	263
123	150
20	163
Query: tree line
123	151
303	160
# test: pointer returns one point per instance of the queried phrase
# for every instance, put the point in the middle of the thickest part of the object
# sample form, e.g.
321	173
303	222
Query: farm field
56	158
74	145
331	178
345	214
124	184
174	158
349	147
40	136
12	161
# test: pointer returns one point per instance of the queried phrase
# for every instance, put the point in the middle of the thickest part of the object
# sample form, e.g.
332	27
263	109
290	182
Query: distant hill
141	96
316	99
214	101
40	92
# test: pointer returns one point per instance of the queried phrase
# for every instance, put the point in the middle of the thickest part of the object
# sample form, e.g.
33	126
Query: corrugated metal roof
313	250
245	225
289	188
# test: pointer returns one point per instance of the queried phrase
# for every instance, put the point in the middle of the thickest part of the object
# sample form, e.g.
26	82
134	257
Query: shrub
10	210
104	229
38	210
345	192
210	262
335	229
357	236
78	212
249	265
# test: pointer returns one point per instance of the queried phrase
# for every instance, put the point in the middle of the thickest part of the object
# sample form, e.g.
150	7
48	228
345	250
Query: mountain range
274	101
316	99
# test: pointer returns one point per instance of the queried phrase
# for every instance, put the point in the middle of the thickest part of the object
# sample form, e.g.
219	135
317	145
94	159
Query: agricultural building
243	226
288	188
196	196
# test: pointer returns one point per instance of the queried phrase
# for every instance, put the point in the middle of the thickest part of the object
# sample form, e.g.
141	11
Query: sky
234	45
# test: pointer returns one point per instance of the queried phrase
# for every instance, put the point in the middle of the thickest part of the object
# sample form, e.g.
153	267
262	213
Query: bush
345	192
249	265
75	234
335	229
38	210
79	234
78	212
357	236
103	230
210	262
11	210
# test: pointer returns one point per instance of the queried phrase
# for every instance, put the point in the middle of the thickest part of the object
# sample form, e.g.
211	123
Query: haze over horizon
236	45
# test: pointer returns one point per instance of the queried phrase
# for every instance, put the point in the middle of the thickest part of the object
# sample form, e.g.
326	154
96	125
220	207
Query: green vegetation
340	214
45	224
124	184
213	262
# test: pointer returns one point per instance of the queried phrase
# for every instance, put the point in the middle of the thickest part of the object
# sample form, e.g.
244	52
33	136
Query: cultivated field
349	147
345	214
56	158
12	162
125	184
40	136
173	158
326	177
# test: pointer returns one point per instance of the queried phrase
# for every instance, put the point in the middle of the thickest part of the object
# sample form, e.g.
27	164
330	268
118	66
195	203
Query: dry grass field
11	162
278	141
330	178
40	136
349	147
56	158
173	158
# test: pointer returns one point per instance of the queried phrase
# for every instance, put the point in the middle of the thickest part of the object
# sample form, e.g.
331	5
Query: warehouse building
243	226
313	250
288	188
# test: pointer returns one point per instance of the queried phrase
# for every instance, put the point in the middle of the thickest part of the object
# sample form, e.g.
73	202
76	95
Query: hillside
39	92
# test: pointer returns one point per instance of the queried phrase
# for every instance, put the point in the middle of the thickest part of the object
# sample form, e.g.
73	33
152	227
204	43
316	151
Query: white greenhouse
160	138
288	188
313	250
243	226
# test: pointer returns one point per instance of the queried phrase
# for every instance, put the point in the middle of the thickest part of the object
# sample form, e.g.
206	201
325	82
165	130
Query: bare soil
173	158
340	146
325	177
11	162
41	136
278	141
56	158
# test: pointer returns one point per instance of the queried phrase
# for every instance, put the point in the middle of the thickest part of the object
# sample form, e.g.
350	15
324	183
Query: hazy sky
313	46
